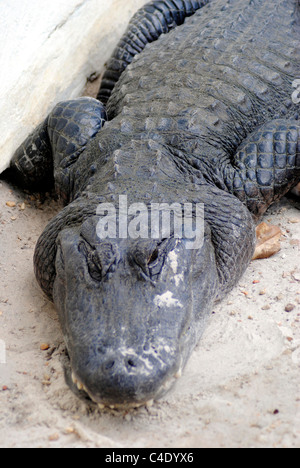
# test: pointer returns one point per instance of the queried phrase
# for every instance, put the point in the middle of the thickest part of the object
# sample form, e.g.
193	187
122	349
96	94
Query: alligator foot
266	166
48	154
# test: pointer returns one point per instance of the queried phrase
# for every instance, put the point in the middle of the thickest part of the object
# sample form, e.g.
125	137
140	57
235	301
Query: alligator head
131	311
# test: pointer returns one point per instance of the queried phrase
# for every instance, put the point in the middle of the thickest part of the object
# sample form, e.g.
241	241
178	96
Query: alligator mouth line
134	405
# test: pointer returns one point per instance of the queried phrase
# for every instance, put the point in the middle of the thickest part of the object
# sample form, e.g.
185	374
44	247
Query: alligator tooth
178	374
166	385
74	378
149	403
101	406
79	385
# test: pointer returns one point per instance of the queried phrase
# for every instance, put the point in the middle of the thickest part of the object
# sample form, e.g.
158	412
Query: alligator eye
158	256
94	266
153	257
82	248
156	262
93	261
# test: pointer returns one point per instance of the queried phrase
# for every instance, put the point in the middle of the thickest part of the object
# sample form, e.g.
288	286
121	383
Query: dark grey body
203	115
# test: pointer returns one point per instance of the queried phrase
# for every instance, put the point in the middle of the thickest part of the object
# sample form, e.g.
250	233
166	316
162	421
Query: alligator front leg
266	166
47	155
147	25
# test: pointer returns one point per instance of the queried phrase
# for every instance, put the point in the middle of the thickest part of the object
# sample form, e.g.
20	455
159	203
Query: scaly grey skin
202	115
147	25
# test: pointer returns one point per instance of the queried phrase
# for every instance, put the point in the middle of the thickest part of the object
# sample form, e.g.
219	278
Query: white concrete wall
48	49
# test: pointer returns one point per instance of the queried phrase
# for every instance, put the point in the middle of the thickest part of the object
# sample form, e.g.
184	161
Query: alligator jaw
132	405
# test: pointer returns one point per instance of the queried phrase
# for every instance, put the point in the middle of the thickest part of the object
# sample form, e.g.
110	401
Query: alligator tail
147	25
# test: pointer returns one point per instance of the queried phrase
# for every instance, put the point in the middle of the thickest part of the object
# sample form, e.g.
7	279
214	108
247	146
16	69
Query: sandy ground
241	387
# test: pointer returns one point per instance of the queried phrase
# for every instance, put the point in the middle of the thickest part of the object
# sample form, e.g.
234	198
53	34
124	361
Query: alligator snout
125	378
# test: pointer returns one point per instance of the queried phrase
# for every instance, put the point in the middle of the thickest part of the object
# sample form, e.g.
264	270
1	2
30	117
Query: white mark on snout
178	279
173	256
167	300
130	353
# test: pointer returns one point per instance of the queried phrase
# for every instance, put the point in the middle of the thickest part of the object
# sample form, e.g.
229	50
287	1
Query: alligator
198	113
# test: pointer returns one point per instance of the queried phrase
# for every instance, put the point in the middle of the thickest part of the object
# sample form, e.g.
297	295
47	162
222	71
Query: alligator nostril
119	363
131	363
109	365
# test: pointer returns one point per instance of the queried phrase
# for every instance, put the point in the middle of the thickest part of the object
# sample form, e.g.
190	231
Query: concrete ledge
48	49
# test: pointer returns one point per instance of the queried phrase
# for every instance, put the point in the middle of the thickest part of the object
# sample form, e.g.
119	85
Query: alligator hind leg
266	166
32	164
47	155
147	25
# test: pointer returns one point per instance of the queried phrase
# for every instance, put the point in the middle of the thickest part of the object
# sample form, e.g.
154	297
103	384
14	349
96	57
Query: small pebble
289	307
294	220
44	346
46	383
296	276
70	430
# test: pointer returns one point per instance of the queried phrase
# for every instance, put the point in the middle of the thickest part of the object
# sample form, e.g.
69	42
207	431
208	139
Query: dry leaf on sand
268	241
